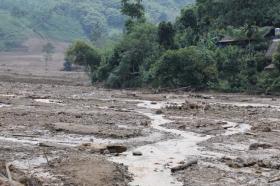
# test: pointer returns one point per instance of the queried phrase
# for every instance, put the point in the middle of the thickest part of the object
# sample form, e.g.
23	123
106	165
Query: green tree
133	8
133	57
185	67
166	34
82	53
48	50
188	18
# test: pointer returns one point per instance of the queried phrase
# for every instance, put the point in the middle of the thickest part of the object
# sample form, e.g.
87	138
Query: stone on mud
184	166
93	148
116	148
256	146
104	149
137	153
159	112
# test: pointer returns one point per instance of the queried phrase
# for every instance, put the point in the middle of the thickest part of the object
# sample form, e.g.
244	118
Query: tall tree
166	34
48	50
133	8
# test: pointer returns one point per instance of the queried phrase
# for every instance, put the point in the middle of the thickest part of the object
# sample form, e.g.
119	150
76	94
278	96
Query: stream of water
153	168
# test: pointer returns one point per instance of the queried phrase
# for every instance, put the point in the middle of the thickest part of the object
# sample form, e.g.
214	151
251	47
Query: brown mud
58	130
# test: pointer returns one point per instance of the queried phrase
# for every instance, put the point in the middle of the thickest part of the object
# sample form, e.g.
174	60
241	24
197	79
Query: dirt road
58	130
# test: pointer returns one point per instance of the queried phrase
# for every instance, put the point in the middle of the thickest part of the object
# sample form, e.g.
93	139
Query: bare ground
56	130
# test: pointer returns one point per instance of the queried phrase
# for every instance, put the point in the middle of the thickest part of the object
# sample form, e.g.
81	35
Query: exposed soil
58	130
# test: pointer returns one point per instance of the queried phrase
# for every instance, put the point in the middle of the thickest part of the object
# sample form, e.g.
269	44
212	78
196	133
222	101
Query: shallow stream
153	167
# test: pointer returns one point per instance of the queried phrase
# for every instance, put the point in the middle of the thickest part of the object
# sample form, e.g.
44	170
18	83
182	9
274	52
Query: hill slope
65	20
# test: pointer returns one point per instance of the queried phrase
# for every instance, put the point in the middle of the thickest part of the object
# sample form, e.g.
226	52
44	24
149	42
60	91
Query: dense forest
65	20
218	45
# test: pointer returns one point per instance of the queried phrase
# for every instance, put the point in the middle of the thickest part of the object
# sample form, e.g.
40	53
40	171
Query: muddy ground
58	130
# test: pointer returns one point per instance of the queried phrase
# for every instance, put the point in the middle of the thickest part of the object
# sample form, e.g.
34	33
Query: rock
137	153
23	180
276	179
181	162
159	112
182	127
237	163
106	152
144	123
255	146
50	144
93	148
116	148
266	129
222	123
184	166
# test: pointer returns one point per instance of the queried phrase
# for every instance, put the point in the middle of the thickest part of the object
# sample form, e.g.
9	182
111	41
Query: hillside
65	20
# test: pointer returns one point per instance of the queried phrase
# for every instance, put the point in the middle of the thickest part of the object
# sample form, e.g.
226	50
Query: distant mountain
65	20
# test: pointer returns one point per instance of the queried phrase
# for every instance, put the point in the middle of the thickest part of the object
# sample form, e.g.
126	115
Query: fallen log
274	180
9	174
184	166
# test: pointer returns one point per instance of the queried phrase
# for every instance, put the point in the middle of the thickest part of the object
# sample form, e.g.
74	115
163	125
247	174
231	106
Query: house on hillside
270	67
272	48
267	32
229	41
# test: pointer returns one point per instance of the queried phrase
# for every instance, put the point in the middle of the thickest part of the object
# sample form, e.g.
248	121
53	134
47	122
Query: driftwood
250	134
9	174
184	166
274	180
8	181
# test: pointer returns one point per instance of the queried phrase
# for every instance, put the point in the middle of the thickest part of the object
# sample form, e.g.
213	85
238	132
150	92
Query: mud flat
159	158
70	134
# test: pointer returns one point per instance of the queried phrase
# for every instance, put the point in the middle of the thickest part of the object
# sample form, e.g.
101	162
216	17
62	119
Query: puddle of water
33	167
236	128
241	104
4	105
30	163
49	101
15	140
8	95
74	140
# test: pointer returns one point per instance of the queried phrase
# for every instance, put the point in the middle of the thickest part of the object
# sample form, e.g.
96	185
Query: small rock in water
144	123
266	129
184	166
182	127
106	152
137	153
116	148
159	112
181	162
255	146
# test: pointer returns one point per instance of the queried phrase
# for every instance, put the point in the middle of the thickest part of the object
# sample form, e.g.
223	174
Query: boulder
255	146
137	153
184	166
116	148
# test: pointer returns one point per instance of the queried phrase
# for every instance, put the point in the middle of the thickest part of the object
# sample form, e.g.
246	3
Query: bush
82	53
185	67
132	57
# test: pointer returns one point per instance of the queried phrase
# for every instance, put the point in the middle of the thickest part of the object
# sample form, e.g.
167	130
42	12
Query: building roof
263	32
272	48
267	31
270	67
